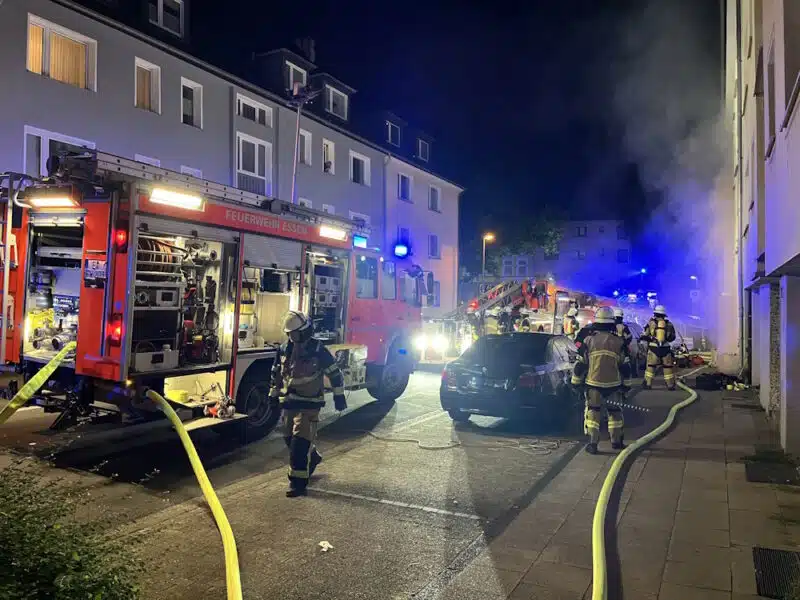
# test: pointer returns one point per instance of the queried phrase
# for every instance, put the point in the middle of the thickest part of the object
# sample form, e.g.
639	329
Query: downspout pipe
743	359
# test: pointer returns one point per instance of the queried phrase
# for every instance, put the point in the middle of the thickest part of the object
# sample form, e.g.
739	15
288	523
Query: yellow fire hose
34	383
232	576
599	571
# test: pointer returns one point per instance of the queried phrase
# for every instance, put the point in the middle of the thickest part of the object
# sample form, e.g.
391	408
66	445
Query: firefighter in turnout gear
601	369
659	333
570	325
623	330
298	383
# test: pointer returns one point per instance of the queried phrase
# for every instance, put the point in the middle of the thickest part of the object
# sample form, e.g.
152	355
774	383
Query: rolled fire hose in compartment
175	320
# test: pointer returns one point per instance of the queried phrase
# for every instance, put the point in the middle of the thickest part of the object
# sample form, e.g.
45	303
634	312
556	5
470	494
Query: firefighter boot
591	448
316	458
296	492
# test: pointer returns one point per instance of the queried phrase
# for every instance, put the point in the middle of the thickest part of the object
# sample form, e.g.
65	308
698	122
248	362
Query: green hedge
46	552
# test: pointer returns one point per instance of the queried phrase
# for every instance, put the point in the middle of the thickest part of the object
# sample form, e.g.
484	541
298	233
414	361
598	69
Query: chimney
307	47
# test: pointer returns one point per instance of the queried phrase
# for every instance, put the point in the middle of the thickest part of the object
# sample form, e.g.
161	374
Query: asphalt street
402	493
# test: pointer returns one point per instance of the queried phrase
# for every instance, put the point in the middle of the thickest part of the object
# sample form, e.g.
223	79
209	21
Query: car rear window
518	348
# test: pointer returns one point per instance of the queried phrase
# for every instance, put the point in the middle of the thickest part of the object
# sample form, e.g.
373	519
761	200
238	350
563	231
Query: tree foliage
46	552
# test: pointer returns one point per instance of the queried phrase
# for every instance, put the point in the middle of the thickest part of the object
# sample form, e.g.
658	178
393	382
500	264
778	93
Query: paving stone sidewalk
687	518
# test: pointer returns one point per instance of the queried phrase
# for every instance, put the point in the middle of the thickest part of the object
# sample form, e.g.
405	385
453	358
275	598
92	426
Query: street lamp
487	237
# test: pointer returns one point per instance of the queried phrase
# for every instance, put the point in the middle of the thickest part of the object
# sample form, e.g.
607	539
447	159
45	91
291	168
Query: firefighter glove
339	402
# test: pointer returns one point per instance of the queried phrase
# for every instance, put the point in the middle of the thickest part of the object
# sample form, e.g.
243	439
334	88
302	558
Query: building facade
591	255
117	77
762	84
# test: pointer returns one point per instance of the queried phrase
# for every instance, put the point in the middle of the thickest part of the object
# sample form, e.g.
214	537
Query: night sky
518	95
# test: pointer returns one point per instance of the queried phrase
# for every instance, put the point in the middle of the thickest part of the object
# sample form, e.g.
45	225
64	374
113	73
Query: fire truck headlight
421	342
439	343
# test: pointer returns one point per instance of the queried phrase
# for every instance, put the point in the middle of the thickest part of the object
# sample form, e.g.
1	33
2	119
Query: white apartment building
762	71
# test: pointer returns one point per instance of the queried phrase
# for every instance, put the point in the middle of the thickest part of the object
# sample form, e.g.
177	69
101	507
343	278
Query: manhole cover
763	472
776	572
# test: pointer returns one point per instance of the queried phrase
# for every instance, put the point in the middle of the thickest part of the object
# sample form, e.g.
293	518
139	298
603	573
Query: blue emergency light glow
400	250
359	241
616	293
644	271
693	277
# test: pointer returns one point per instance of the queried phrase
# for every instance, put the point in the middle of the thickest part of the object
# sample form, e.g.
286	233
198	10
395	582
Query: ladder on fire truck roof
110	164
489	299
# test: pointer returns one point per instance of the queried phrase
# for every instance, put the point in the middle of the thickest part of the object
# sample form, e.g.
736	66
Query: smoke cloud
666	78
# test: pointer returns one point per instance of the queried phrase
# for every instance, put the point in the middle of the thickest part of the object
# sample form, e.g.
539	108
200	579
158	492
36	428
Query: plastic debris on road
325	546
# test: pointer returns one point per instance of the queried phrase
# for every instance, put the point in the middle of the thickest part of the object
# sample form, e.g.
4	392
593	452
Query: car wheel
458	416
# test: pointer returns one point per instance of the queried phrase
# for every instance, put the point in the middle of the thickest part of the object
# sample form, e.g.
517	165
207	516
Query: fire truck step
203	422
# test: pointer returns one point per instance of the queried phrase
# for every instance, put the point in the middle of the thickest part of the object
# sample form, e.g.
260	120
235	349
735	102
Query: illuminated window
167	14
328	157
392	133
404	187
253	164
253	111
192	103
61	54
304	149
335	102
147	94
296	75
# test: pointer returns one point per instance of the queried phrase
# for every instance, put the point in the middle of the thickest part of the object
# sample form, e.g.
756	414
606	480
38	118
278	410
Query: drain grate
776	572
763	472
746	406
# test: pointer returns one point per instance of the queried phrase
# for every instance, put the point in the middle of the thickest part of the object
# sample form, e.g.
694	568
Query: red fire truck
182	284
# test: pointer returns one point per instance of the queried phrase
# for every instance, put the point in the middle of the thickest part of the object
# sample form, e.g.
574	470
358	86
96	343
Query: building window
335	102
621	233
433	246
602	252
192	103
581	231
508	266
552	255
253	164
253	111
404	187
61	54
296	75
580	254
601	229
359	168
328	157
436	292
147	94
434	193
190	171
148	160
359	218
423	150
623	255
305	202
304	147
522	268
39	145
392	133
404	235
167	14
769	99
329	208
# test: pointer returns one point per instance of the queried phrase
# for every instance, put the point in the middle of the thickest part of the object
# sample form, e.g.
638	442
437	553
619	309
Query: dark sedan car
512	375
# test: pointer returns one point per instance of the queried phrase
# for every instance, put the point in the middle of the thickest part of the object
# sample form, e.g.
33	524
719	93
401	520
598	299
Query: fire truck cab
183	284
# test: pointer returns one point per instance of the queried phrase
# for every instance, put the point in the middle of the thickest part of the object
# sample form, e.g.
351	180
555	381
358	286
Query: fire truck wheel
390	382
252	399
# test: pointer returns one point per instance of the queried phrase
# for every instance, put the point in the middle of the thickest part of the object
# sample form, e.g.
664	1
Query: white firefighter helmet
295	321
604	314
572	312
618	314
660	310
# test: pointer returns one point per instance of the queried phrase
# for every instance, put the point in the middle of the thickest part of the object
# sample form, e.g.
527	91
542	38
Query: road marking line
430	509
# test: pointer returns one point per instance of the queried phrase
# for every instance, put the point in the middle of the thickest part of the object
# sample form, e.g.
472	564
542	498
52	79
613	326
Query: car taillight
529	380
115	329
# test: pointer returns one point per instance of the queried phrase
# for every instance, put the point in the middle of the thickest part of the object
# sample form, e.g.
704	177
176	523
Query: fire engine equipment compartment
53	290
326	289
181	303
